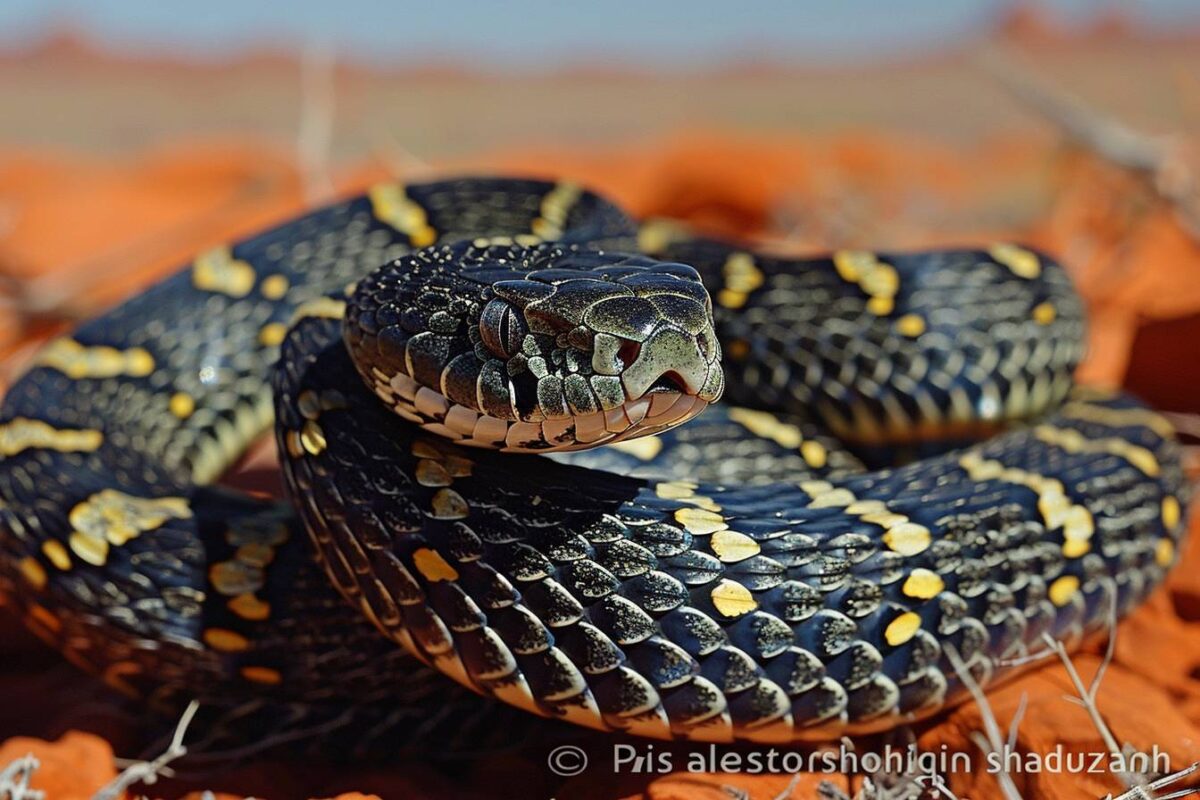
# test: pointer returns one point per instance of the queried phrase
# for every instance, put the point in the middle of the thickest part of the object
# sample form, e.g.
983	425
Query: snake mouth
670	381
651	413
632	419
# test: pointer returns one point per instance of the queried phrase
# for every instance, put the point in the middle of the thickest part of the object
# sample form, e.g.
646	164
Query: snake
605	472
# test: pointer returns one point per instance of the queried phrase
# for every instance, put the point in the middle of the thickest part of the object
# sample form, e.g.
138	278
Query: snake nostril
628	353
670	381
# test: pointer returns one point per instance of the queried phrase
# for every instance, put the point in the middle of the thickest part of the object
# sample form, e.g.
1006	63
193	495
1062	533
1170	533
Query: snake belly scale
762	572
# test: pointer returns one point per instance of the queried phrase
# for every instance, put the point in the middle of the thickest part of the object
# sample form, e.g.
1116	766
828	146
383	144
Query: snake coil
764	572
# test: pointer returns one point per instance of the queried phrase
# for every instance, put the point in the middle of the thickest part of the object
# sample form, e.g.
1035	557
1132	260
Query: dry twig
992	742
314	136
1158	159
148	772
14	780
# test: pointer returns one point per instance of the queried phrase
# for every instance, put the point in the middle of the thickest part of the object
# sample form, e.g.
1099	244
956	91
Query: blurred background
134	133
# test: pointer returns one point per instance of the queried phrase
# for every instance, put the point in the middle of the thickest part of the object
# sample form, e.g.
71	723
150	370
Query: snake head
536	348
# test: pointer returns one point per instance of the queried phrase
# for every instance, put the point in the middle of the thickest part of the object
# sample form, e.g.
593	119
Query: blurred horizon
537	34
120	78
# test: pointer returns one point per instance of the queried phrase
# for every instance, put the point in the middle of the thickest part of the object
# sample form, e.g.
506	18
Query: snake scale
902	478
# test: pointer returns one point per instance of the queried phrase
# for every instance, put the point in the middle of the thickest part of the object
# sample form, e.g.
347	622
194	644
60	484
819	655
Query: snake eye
502	329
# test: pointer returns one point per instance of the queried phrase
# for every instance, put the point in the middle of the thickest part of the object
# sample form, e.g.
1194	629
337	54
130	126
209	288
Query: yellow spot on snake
767	426
700	521
1063	589
291	441
1078	528
742	276
923	584
1119	417
707	503
645	448
732	546
1074	548
732	599
1164	552
89	549
556	205
1170	512
33	572
911	325
902	535
907	538
100	361
1044	313
182	405
656	235
861	507
730	299
1075	442
685	491
272	334
1055	507
233	578
21	434
138	362
225	640
431	564
249	607
321	308
1022	262
878	279
274	287
256	554
885	518
814	454
902	628
312	438
392	205
737	349
262	675
110	517
57	554
881	306
218	271
449	504
835	498
675	490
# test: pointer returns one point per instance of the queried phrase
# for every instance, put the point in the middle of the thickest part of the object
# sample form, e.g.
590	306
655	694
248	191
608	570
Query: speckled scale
693	630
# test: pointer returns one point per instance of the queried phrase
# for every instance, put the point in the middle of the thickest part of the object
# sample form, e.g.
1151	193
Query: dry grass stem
148	772
15	777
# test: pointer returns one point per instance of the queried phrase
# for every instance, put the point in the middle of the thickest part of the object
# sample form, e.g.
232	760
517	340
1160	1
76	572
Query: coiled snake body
743	576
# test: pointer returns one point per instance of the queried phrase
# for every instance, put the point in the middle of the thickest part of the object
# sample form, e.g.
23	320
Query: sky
536	33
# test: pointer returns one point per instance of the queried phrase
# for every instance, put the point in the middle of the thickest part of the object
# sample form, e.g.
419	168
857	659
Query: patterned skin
805	598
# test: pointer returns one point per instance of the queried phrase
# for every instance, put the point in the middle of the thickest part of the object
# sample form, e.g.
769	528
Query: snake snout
659	341
674	360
